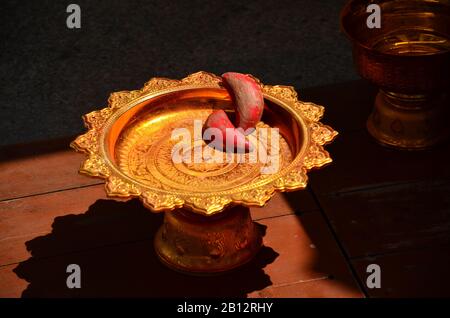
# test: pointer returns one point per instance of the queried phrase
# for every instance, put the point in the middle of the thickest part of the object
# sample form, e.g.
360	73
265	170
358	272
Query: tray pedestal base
409	121
207	245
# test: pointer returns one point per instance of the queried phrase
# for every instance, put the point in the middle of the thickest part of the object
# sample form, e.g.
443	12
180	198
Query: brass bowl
408	57
129	144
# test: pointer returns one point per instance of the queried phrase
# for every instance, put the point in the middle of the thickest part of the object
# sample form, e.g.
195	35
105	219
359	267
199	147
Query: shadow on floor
112	243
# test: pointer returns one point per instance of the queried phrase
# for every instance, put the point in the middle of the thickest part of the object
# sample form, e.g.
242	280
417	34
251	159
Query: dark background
51	75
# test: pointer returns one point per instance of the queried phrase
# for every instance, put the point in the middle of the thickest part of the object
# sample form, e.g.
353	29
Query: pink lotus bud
222	123
247	97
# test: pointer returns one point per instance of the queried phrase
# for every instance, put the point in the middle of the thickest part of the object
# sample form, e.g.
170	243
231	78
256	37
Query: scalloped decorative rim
293	177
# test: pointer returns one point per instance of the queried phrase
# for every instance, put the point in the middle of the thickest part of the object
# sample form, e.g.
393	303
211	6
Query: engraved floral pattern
286	93
209	204
322	134
316	157
311	111
117	187
160	202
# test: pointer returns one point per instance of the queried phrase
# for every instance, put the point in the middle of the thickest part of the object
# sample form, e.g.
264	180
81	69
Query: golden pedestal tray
408	58
207	226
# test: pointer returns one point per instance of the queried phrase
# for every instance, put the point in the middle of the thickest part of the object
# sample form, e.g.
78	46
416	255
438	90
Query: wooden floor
371	206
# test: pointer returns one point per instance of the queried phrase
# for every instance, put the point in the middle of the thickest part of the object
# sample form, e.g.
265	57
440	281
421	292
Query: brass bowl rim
118	184
104	137
346	11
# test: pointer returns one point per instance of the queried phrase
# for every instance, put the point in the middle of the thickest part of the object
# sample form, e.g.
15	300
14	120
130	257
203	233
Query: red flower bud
247	97
248	102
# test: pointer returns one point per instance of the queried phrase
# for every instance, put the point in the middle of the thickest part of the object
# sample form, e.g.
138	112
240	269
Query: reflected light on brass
408	58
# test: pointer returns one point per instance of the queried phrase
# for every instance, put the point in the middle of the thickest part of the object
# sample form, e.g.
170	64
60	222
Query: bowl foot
409	122
207	245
